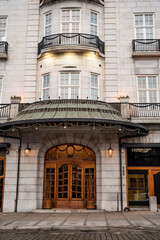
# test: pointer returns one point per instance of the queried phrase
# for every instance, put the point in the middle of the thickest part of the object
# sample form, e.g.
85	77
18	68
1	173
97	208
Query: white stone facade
117	71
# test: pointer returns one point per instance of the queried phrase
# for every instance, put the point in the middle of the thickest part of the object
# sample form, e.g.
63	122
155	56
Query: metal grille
71	39
146	45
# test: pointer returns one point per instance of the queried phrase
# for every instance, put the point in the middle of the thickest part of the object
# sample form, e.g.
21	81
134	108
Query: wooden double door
69	182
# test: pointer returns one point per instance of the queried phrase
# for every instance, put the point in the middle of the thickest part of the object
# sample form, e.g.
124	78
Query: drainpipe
18	167
120	163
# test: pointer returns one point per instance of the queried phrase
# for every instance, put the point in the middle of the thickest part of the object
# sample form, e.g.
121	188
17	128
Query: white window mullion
3	28
48	24
45	87
149	89
142	27
71	86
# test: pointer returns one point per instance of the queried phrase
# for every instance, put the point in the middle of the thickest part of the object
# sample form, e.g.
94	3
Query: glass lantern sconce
27	150
110	151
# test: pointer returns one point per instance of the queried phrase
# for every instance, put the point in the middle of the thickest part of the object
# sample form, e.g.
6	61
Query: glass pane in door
76	181
157	187
50	181
138	188
89	183
63	182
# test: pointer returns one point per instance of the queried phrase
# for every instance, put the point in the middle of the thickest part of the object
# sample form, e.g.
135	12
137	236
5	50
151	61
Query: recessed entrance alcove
70	177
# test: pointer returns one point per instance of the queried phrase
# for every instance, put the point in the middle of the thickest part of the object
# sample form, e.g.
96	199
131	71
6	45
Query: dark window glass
1	191
145	157
1	167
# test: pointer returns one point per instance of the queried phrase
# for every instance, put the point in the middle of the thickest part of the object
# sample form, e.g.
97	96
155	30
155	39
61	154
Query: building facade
86	133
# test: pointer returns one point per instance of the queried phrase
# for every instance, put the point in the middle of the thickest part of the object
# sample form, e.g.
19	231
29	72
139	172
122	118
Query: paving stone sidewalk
80	220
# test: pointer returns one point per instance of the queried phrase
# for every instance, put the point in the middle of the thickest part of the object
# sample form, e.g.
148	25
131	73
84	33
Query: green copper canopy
60	111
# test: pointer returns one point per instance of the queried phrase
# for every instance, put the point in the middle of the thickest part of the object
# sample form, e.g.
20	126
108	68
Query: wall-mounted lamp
110	151
27	150
65	125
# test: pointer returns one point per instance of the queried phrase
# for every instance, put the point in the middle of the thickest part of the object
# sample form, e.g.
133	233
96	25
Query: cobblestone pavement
112	234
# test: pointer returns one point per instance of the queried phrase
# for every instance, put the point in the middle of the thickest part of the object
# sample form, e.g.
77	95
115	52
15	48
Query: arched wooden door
69	179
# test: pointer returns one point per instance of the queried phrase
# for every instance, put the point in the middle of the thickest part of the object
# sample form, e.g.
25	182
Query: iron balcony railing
144	110
146	45
3	47
5	110
71	39
53	0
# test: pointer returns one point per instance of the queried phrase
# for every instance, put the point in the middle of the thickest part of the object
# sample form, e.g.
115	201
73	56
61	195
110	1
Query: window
45	90
70	22
147	89
144	26
1	88
94	23
3	24
69	85
48	24
94	86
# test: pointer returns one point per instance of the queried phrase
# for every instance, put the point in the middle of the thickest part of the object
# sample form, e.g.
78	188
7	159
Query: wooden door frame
150	170
3	177
70	162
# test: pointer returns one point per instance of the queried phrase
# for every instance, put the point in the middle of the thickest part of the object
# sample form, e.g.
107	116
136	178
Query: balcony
146	47
3	50
44	2
145	112
71	41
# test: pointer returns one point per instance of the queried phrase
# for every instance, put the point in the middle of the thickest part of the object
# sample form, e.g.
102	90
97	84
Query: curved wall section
81	24
86	65
71	51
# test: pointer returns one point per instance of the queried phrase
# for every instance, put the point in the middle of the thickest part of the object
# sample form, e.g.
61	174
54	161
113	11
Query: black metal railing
53	0
146	45
149	110
5	110
71	39
3	47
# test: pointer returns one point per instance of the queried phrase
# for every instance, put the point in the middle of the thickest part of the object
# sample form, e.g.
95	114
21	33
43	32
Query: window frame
69	86
147	90
42	93
44	29
70	22
96	74
144	26
92	11
2	16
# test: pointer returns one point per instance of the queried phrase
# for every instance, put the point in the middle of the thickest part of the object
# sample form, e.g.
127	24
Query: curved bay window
69	177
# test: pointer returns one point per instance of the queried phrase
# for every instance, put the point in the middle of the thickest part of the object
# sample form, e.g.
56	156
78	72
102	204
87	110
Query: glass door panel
50	181
63	182
76	182
138	188
89	183
157	187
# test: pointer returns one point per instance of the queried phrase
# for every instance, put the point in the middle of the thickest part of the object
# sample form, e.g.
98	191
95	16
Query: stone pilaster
30	78
110	36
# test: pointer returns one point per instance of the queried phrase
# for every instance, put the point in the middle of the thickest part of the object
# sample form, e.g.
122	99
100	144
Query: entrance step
58	210
139	208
